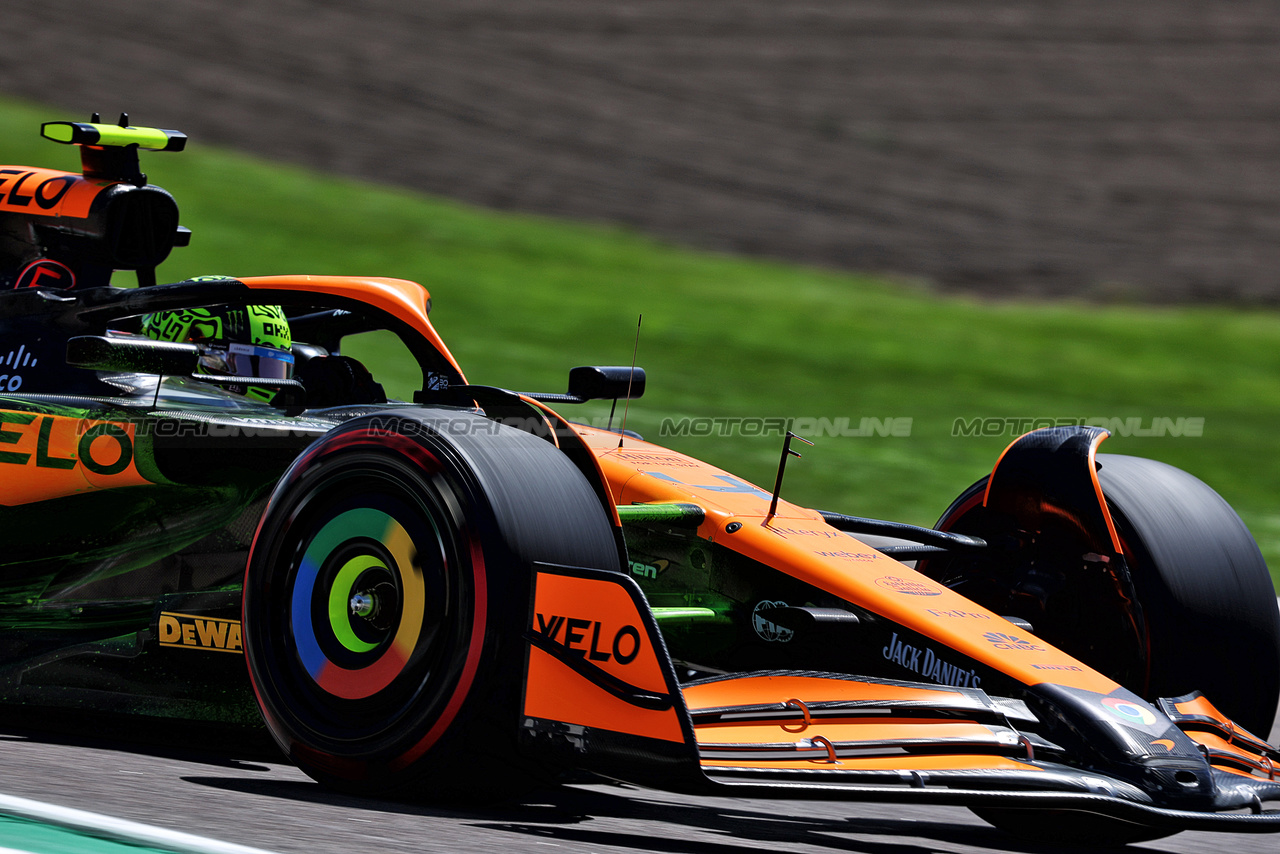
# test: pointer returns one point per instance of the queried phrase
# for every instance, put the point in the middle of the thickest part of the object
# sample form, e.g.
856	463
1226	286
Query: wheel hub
376	605
363	604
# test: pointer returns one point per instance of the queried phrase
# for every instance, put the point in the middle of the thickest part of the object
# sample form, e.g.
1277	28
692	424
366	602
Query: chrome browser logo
1129	711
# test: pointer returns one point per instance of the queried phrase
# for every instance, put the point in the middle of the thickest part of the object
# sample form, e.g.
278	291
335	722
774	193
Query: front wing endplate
600	693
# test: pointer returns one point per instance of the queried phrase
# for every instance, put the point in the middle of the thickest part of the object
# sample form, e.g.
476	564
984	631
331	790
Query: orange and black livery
466	592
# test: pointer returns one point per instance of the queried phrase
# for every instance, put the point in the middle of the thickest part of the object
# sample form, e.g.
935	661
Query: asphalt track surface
249	796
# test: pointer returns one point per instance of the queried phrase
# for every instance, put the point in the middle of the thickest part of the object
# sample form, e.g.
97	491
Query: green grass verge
520	299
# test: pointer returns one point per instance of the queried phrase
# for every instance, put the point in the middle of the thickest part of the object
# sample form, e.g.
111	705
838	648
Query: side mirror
145	356
617	382
131	355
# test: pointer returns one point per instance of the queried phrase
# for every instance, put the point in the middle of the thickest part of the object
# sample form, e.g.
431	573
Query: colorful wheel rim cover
361	682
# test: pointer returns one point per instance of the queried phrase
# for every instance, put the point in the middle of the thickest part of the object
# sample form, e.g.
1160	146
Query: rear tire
386	596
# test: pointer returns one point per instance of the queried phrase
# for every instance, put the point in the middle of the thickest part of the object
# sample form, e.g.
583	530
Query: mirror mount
131	355
168	358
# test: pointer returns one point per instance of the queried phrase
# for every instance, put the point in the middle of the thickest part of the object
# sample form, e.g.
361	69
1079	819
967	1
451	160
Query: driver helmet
232	341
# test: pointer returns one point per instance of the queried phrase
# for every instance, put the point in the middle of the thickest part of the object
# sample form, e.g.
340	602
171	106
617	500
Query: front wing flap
601	694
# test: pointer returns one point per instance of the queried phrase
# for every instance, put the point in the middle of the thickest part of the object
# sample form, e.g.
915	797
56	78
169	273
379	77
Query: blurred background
1088	148
938	211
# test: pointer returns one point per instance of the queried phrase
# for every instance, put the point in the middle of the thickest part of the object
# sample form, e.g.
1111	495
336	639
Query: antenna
782	467
631	376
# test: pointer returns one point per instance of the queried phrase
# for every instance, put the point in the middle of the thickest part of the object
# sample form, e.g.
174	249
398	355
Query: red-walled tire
386	592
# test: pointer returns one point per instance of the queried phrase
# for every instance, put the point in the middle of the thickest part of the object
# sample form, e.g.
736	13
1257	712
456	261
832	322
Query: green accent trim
690	515
686	616
340	599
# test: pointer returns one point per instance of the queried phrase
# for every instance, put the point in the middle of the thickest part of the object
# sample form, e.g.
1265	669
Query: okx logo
1002	641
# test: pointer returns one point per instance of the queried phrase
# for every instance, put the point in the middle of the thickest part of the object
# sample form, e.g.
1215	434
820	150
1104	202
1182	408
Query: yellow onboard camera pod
89	133
110	152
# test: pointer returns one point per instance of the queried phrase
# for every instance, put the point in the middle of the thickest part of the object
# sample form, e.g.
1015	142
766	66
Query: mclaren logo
649	570
208	633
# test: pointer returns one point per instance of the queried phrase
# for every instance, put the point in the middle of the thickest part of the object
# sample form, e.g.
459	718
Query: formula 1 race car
211	513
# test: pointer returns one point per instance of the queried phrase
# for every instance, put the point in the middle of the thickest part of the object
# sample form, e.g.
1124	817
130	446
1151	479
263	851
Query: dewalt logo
190	632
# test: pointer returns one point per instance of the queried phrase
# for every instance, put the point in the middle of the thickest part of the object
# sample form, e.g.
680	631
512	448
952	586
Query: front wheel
1201	614
1196	613
385	598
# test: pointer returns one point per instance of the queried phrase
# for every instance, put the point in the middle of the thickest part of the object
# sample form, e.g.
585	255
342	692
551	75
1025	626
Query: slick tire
386	596
1206	604
1206	593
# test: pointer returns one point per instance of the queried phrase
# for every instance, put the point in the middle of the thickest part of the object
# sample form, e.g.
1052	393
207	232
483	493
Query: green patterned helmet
233	341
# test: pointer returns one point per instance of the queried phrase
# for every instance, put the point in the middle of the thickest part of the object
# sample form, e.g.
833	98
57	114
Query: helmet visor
247	360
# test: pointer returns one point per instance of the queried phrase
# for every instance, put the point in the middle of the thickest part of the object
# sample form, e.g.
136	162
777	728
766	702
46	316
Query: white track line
119	828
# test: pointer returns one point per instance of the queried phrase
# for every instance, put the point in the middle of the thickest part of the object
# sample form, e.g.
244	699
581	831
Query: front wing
601	694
